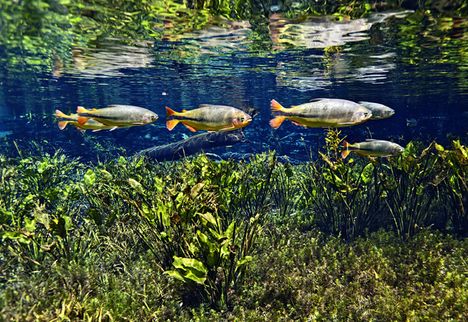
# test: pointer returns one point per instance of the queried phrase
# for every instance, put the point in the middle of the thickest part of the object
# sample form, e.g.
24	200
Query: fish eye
241	119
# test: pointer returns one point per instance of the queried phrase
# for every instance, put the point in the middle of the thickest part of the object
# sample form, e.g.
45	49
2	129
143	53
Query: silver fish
322	112
209	117
374	148
379	111
117	115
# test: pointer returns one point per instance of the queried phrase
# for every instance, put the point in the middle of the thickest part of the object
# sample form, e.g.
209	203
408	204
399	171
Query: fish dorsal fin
184	110
318	99
215	106
370	140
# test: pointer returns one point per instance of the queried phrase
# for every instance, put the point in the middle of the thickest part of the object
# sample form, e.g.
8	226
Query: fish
321	112
209	118
379	111
73	120
373	148
117	115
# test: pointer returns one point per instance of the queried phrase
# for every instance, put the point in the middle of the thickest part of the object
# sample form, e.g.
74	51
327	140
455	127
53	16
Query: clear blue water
365	59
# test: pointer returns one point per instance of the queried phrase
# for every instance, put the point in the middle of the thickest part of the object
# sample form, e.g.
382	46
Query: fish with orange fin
209	118
72	119
372	148
321	112
117	115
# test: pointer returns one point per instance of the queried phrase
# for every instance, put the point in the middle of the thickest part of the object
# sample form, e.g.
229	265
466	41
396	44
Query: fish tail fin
275	106
346	150
170	124
62	124
170	111
60	114
276	122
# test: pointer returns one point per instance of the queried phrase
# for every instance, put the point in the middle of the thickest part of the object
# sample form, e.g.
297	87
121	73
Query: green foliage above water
256	238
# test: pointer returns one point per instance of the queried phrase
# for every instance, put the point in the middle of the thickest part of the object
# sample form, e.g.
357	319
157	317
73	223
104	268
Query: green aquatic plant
38	212
410	193
186	238
198	218
451	176
344	196
217	257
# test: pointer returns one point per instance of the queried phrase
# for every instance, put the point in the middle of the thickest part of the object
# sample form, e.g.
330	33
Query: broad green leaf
191	263
175	274
439	147
197	278
30	224
136	185
229	231
366	174
43	218
14	235
191	269
42	167
203	238
209	218
106	174
196	189
89	177
243	261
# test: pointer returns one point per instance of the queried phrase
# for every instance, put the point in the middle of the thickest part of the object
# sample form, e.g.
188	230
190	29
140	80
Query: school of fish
318	113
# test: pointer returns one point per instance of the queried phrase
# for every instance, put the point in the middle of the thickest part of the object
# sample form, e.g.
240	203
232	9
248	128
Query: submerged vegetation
260	239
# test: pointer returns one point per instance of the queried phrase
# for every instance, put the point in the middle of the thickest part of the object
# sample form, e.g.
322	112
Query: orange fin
298	124
60	114
170	111
82	120
275	106
62	124
276	122
170	124
346	150
192	129
345	153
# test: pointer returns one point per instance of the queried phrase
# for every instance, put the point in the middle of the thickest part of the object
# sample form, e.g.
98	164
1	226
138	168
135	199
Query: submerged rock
192	145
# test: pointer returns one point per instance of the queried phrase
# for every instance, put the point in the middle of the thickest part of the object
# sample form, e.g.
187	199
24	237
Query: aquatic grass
409	194
204	238
344	197
425	188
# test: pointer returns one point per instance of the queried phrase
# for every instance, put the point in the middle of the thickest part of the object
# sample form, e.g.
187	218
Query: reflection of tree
42	34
